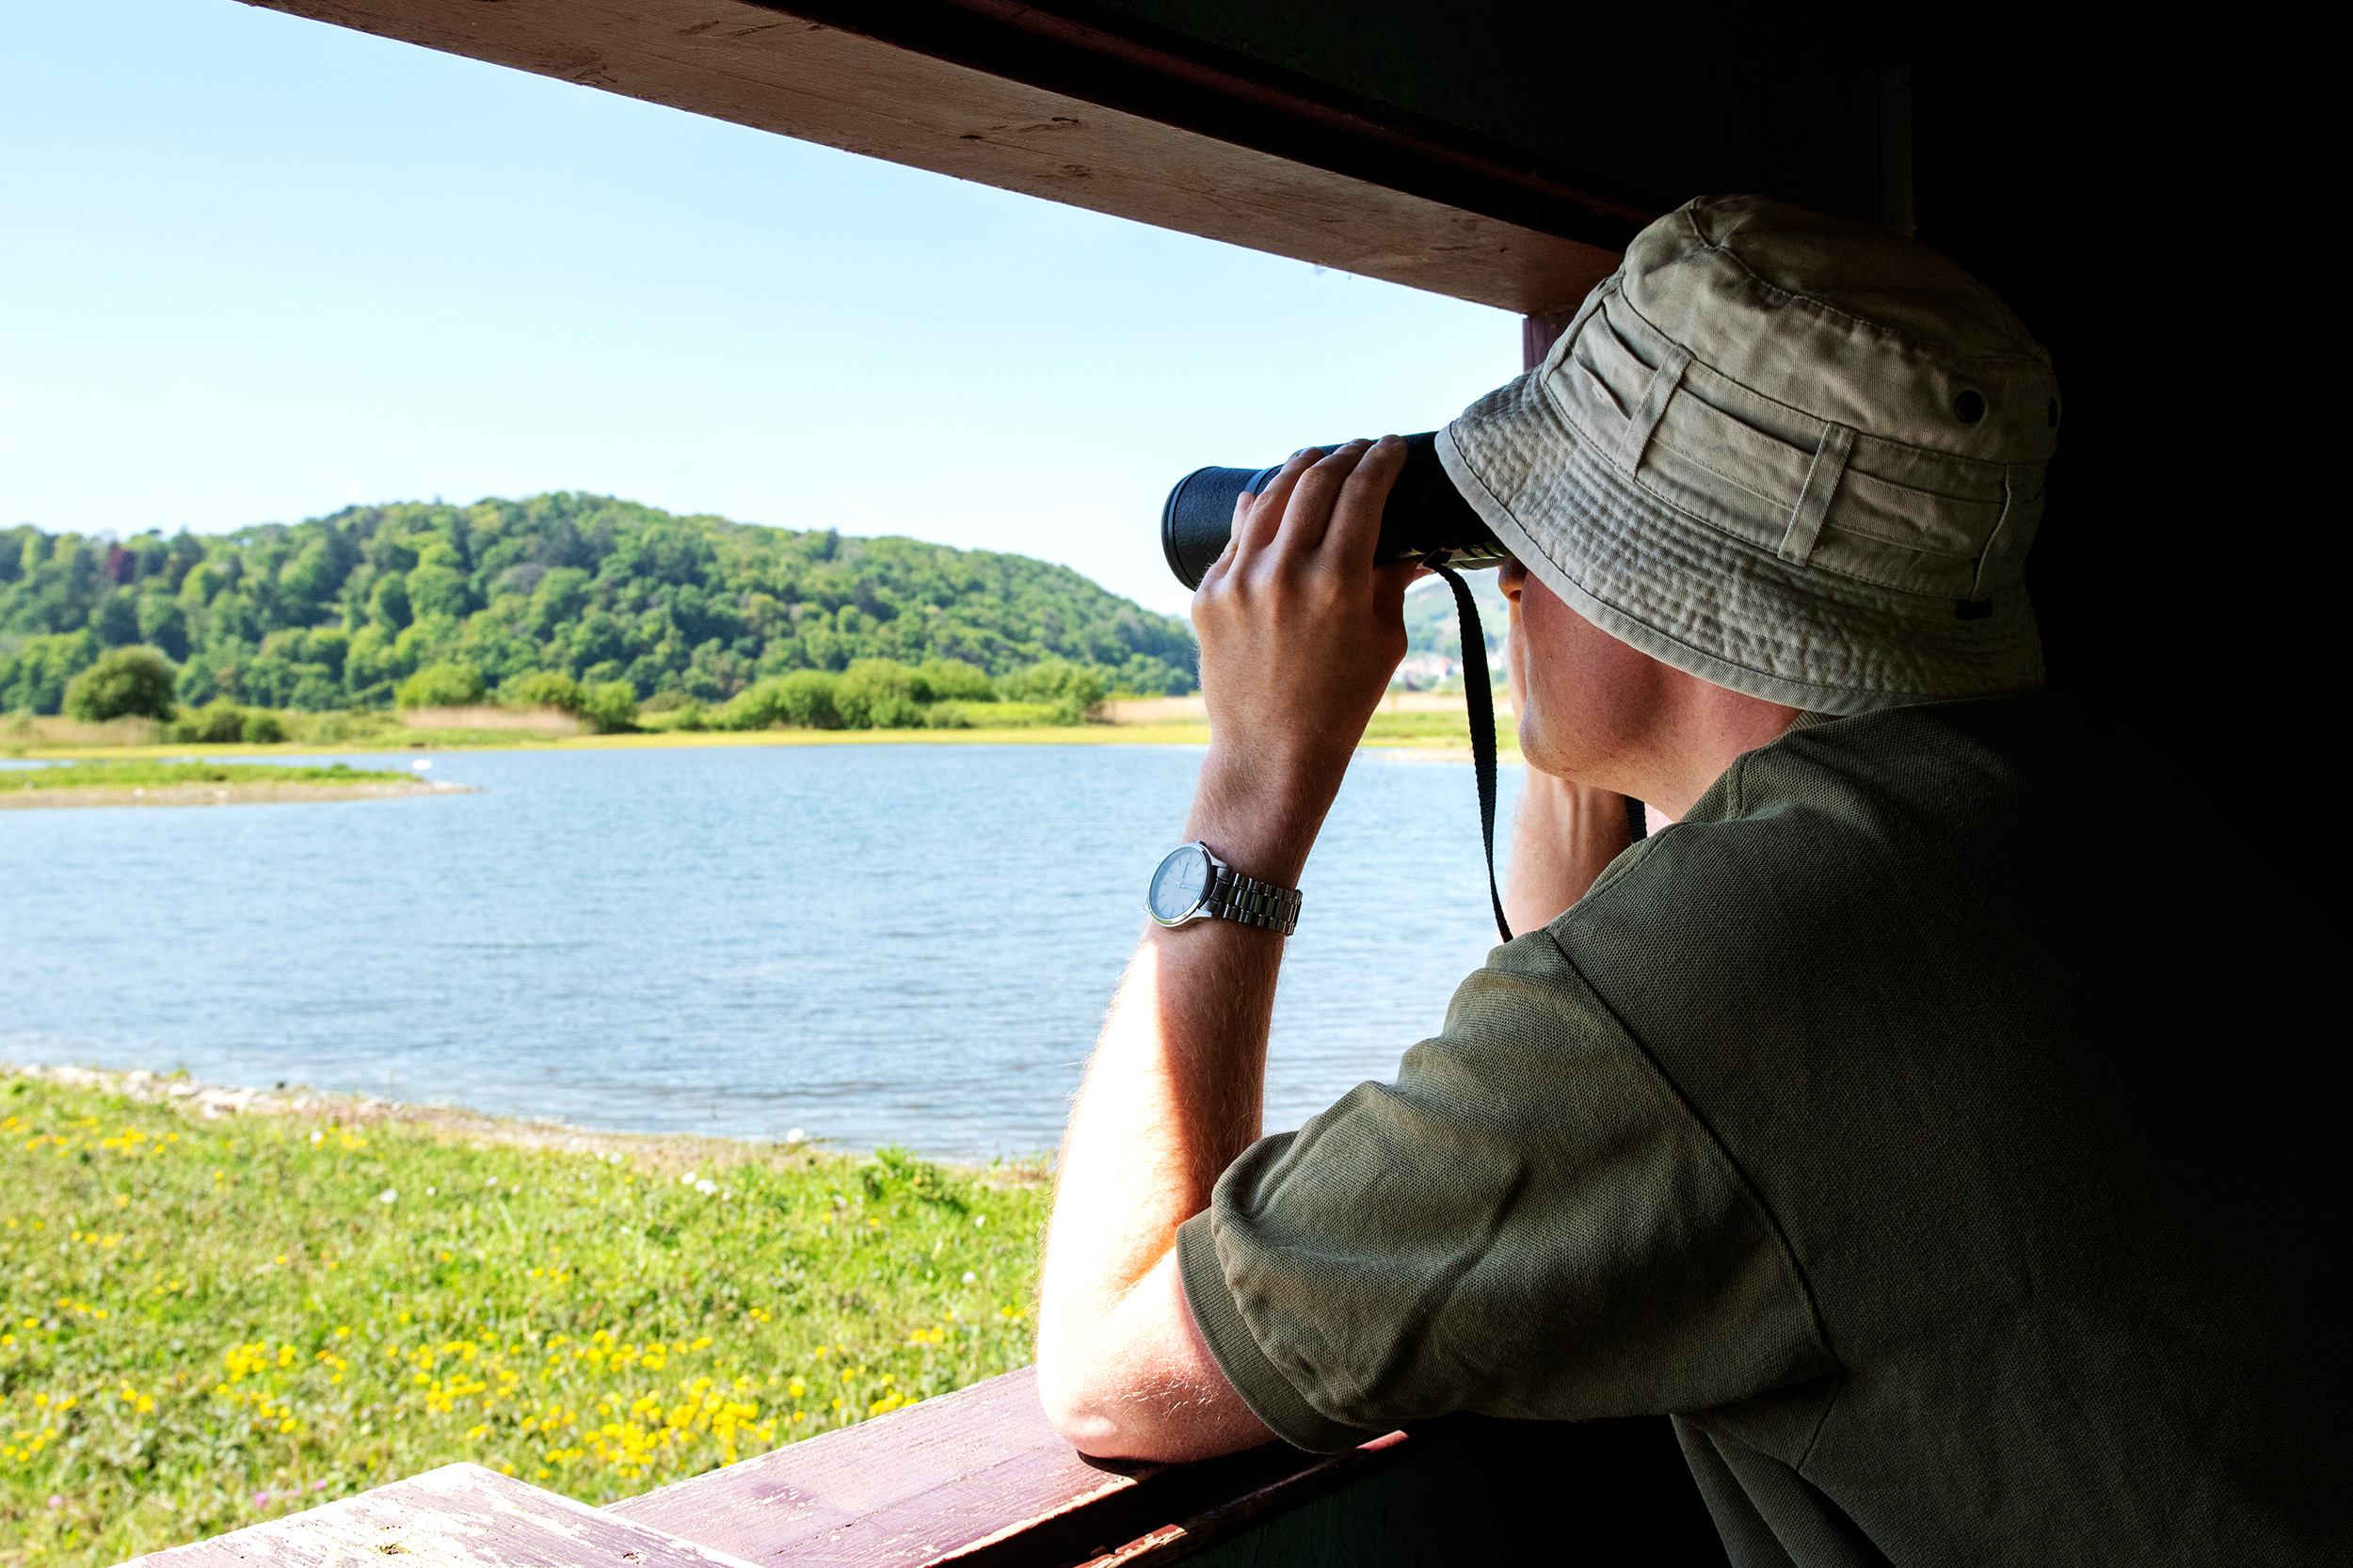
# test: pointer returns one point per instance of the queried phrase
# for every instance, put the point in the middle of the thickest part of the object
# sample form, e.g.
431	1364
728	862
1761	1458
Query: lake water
876	943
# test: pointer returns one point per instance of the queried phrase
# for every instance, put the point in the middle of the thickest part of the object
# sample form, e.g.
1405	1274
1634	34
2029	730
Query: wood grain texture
458	1516
758	67
980	1479
920	1485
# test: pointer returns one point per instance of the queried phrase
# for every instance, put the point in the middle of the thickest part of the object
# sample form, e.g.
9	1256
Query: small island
143	783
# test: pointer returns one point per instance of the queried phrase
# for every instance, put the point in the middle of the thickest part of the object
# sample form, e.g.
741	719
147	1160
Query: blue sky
255	267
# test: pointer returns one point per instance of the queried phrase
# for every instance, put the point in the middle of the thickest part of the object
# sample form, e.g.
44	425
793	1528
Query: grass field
211	1322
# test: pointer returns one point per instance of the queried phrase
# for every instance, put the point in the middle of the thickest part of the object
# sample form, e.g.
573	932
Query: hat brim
1706	602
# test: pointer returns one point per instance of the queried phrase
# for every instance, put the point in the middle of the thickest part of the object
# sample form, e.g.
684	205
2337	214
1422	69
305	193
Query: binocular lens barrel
1424	514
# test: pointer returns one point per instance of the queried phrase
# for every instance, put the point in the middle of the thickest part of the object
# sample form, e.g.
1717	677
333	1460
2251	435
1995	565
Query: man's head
1792	458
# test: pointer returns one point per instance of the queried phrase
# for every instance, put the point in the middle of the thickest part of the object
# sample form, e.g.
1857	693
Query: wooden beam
759	66
913	1487
458	1516
978	1478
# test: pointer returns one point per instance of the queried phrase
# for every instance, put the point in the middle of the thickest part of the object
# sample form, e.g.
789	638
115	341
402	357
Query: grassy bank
147	783
153	774
211	1322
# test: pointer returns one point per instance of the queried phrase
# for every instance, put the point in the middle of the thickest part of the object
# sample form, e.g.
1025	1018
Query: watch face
1180	886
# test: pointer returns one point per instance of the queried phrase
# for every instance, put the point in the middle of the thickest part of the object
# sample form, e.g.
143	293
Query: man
1941	1119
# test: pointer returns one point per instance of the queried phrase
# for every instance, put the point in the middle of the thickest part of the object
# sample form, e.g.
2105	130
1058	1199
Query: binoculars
1426	516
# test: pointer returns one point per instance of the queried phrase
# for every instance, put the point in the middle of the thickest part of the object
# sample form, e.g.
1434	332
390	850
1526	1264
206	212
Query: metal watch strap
1237	897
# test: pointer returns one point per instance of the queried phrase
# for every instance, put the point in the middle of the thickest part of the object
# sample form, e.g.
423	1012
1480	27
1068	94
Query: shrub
806	700
219	722
951	681
442	685
803	698
125	682
542	689
1022	715
610	709
950	716
755	707
877	693
262	727
1074	690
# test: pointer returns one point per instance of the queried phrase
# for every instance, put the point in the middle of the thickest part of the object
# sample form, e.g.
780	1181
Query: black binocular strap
1482	724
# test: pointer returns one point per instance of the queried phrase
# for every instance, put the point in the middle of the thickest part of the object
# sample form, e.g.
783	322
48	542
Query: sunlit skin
1603	714
1300	634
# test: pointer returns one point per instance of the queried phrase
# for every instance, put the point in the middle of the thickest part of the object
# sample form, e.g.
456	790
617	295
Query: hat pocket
1896	515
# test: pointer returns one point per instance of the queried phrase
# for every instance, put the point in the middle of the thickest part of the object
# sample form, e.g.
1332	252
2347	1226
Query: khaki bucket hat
1799	457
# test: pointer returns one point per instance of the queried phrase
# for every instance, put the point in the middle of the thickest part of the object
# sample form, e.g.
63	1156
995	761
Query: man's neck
1695	733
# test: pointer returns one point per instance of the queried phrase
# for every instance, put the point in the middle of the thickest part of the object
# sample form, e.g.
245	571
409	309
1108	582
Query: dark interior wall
1650	102
2190	570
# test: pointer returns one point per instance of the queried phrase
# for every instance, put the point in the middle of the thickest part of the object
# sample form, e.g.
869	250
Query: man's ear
1512	577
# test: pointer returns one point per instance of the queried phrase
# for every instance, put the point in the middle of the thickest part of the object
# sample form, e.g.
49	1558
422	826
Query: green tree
117	618
387	602
33	678
163	624
442	685
125	682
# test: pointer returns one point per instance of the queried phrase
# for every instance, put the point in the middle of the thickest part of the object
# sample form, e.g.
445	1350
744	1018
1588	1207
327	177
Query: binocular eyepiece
1425	514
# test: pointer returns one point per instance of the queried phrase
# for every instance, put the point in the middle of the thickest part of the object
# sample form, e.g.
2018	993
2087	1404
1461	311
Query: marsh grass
1449	729
208	1323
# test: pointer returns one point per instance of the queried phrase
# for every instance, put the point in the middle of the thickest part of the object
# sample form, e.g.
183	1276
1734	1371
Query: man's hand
1300	635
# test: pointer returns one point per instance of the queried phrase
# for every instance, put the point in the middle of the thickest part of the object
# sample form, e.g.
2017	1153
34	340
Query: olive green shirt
1944	1121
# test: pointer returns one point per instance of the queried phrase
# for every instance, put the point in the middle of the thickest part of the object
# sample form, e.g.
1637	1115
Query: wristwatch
1193	883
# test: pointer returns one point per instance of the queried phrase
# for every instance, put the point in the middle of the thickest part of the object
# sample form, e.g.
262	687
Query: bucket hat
1796	456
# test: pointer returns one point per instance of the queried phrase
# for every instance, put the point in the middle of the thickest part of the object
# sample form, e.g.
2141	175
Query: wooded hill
334	612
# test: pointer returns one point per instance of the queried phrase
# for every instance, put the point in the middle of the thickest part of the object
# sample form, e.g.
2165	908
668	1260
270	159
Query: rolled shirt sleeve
1530	1223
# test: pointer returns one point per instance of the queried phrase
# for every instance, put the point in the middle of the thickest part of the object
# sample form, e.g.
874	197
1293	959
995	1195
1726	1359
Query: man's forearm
1171	1099
1564	836
1300	631
1173	1095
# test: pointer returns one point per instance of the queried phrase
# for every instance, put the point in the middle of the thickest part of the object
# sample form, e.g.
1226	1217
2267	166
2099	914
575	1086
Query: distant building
1422	672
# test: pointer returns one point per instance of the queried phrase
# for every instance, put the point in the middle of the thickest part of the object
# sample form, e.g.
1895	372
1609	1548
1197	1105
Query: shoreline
218	794
662	1151
1394	746
1090	734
